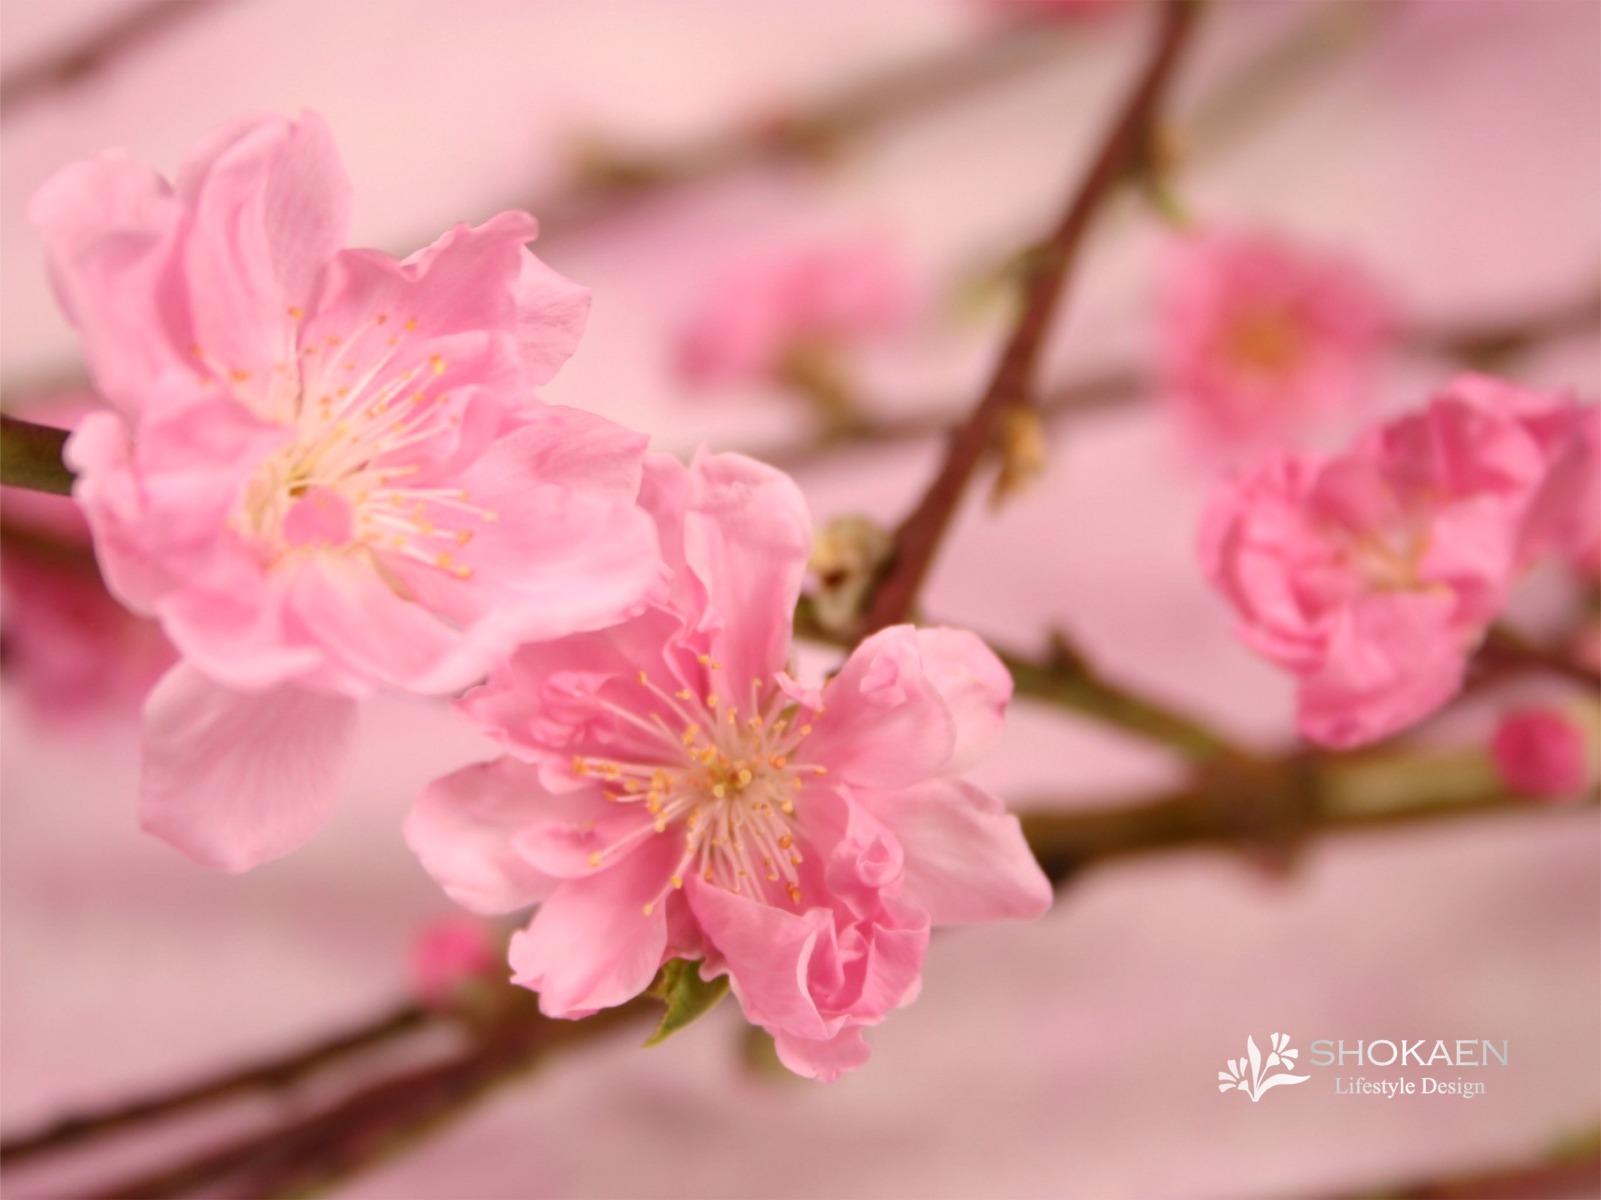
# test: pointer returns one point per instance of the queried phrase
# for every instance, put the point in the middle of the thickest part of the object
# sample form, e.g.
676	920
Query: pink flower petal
551	313
110	226
461	829
592	945
887	724
269	204
234	779
747	535
966	860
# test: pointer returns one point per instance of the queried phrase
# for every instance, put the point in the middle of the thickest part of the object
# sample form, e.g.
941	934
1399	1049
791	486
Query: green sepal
688	997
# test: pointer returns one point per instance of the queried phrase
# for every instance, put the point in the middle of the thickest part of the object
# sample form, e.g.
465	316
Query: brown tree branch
376	1122
1121	153
94	51
265	1075
30	457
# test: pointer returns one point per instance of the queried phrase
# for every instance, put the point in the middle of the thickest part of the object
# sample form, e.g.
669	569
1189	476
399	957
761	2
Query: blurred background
1451	147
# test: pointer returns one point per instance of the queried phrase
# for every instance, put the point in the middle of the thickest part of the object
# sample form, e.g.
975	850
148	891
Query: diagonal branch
266	1075
1122	153
94	51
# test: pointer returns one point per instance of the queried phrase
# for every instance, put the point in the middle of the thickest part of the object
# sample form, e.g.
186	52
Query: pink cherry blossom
1372	575
323	469
1262	338
448	953
1540	752
817	297
670	791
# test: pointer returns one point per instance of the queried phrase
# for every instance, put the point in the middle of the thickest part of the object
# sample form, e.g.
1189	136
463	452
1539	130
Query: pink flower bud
1539	752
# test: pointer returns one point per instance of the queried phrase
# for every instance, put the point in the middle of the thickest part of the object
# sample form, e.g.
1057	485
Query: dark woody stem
30	457
1124	154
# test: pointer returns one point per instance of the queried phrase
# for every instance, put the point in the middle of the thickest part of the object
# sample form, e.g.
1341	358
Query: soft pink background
1456	145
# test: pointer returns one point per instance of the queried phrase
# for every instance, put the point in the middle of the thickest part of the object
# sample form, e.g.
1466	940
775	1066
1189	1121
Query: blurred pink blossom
71	650
1539	752
761	312
671	792
326	470
1372	575
1262	338
448	953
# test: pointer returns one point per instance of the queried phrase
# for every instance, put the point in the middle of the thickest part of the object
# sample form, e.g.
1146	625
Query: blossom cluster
324	471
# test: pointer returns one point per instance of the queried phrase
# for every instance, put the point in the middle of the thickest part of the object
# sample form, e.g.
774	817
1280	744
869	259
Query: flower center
724	781
1265	340
347	481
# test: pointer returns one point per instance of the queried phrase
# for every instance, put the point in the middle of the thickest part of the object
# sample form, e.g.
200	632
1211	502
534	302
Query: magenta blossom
325	469
1540	752
1372	575
1262	338
757	315
670	791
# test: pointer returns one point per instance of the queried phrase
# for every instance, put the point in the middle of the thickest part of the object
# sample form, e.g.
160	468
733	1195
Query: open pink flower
807	299
1540	752
1262	338
1373	575
670	791
325	469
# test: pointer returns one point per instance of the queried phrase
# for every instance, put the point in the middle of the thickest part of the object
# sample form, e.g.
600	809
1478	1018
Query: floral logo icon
1253	1076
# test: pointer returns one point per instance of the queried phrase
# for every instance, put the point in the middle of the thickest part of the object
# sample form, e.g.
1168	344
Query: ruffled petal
747	536
966	859
551	313
592	945
462	829
234	779
975	686
269	204
887	724
823	1059
110	227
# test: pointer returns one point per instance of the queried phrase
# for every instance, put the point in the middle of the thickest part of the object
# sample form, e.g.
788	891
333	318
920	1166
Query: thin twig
30	457
317	1151
1125	145
1505	647
93	52
265	1075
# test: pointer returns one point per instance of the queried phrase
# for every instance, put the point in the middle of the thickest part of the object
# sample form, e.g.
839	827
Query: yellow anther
677	881
820	770
785	842
594	859
805	729
436	364
463	536
787	807
295	312
580	767
238	375
686	694
712	701
719	790
745	777
411	324
644	678
778	762
649	908
794	893
381	319
691	734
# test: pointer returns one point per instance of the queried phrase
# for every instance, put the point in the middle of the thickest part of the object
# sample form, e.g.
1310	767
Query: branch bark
1122	152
